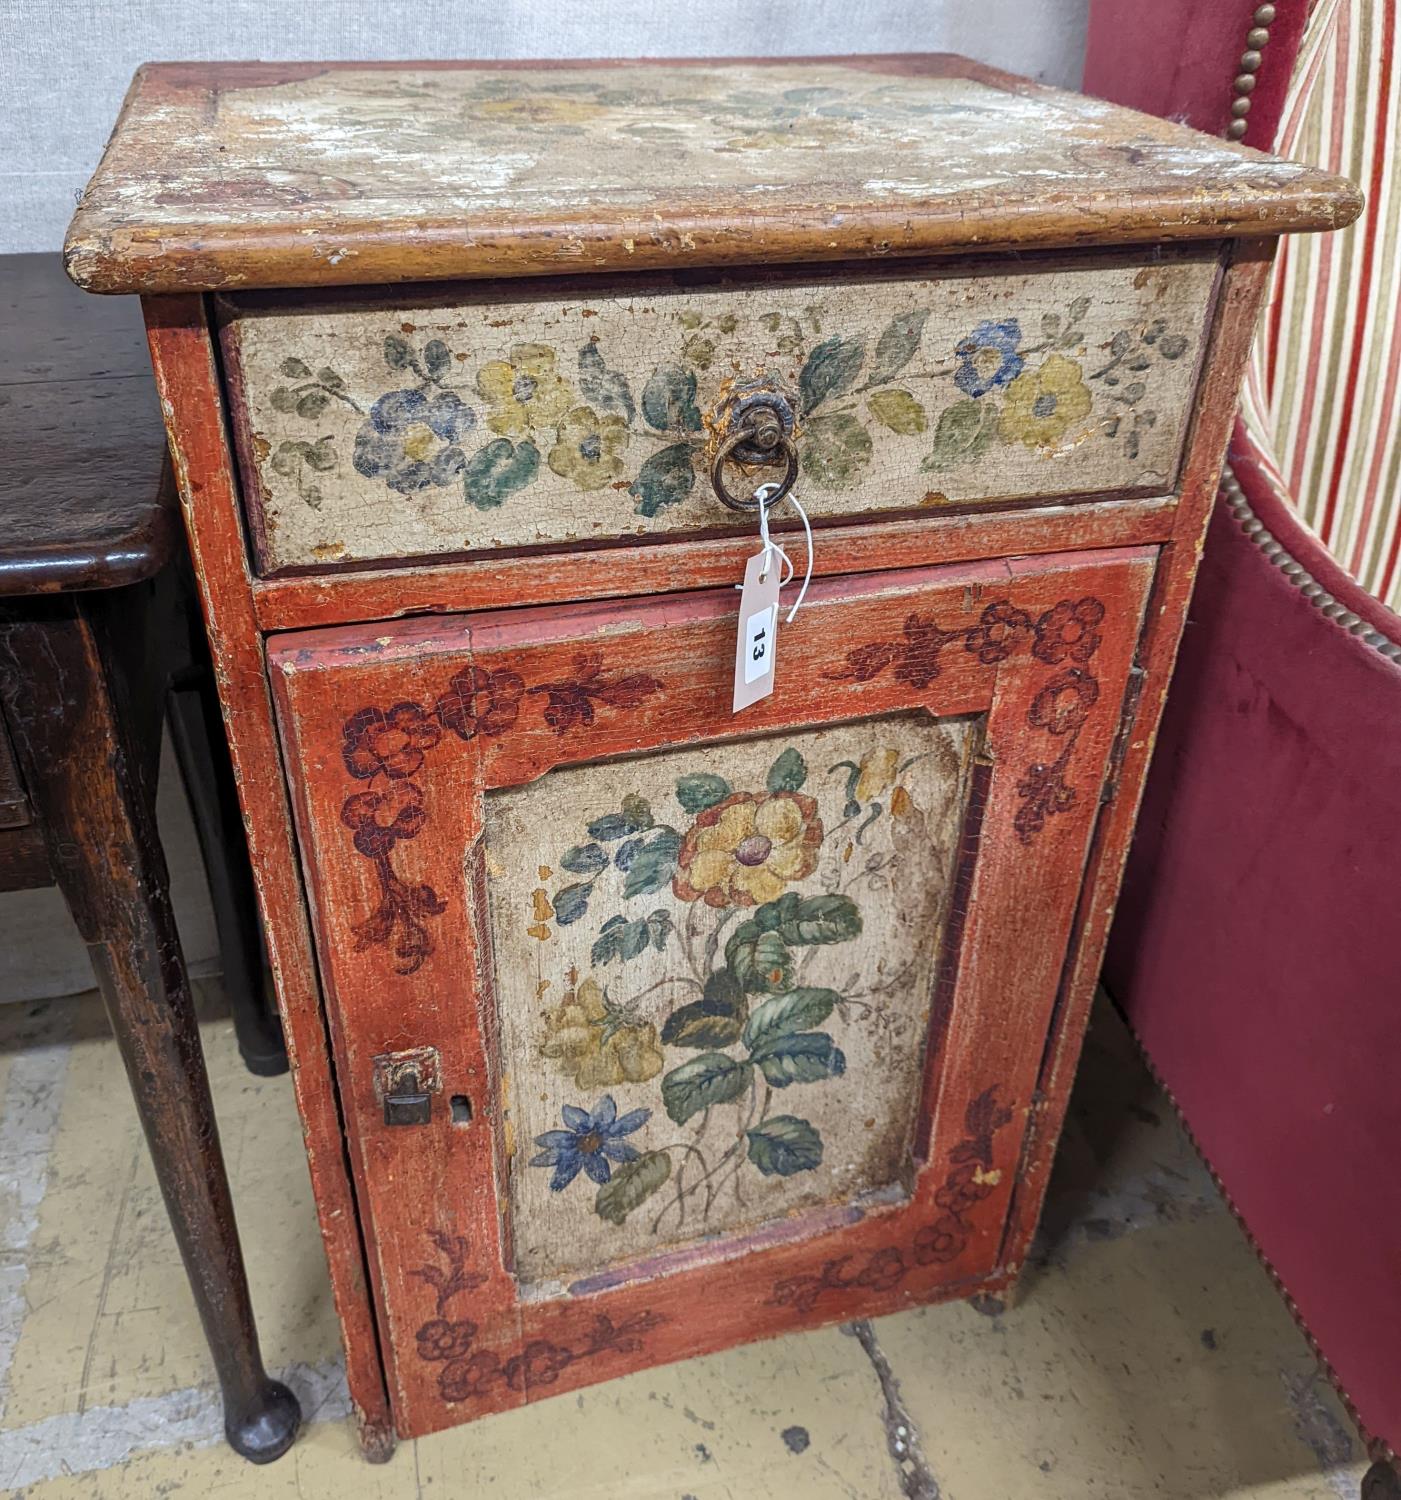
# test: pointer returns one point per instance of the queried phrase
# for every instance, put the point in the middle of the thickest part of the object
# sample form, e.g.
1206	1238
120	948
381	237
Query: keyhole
461	1107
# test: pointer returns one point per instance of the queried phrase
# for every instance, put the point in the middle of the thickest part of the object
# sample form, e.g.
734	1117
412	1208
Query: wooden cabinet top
242	175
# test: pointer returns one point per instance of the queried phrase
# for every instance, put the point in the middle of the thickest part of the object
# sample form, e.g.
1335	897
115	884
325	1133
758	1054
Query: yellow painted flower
1042	403
525	391
540	109
596	1049
877	771
590	448
746	849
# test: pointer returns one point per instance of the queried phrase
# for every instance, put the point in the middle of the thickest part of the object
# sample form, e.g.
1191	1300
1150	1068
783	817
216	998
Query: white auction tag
756	645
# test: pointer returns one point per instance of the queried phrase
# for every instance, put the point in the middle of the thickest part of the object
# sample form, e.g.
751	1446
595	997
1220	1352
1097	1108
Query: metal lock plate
409	1105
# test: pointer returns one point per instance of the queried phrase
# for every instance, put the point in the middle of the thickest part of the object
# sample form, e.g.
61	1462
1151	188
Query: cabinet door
726	1024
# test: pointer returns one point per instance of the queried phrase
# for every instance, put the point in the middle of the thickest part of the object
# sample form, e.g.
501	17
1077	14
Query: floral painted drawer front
509	418
713	974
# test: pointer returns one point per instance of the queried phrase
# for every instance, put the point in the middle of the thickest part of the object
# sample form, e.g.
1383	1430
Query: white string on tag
772	549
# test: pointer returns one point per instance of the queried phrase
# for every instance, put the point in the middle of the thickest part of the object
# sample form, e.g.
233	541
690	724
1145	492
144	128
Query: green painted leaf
638	812
397	353
669	400
312	403
711	1078
498	470
808	1057
897	344
328	377
665	479
294	368
810	919
700	790
897	410
283	399
760	959
831	369
964	432
693	1025
659	927
655	864
621	939
785	1145
788	772
603	389
631	1184
837	447
287	458
715	1020
571	902
437	357
785	1015
321	455
583	859
636	938
611	826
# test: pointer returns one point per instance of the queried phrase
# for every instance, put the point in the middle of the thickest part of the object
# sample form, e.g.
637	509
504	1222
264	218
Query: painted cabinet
726	1025
626	1027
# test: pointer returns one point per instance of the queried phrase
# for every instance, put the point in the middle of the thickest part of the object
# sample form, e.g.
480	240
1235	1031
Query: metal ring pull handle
777	489
759	421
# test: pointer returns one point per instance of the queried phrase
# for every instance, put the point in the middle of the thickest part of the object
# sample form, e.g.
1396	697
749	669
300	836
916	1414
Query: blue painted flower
988	357
590	1143
410	439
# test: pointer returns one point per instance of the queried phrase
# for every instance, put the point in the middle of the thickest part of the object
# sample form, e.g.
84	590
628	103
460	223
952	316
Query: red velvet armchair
1257	951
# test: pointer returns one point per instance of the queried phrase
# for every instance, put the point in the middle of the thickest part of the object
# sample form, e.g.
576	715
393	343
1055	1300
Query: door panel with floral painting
729	1024
713	1009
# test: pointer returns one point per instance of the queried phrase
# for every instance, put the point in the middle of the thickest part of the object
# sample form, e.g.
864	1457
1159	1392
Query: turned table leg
65	706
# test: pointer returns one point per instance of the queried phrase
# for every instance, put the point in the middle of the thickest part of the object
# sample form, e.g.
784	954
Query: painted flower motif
540	109
465	1378
1063	705
997	632
440	1340
938	1243
590	448
924	640
539	1363
1042	403
410	439
589	1143
597	1050
480	702
885	1269
746	849
390	741
379	820
988	358
876	772
1068	631
525	392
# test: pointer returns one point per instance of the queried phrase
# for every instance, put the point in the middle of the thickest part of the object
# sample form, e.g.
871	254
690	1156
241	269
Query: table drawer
502	416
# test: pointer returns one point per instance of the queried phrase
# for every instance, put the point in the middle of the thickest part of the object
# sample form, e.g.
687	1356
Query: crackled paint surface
713	974
401	431
361	143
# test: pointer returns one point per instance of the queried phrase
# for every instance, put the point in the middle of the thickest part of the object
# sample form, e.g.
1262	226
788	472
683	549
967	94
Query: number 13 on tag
756	648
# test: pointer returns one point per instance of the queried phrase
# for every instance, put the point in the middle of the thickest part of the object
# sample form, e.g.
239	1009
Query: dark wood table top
84	500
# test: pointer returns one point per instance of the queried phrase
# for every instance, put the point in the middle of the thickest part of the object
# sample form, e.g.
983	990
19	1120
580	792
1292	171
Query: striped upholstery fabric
1323	398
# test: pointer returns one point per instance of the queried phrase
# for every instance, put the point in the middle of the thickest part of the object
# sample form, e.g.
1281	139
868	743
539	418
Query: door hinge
1133	690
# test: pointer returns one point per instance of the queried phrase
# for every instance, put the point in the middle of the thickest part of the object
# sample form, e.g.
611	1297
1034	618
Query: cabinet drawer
503	417
646	1008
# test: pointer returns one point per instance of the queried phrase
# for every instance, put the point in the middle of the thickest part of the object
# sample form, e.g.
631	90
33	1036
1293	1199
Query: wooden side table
95	626
656	1026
